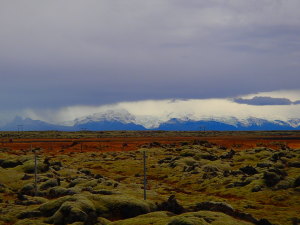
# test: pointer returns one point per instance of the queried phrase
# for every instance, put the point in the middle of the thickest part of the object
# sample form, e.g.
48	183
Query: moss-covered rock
77	181
28	189
29	214
28	200
30	222
297	182
87	207
192	218
49	208
58	191
75	210
49	183
187	221
124	207
271	178
29	167
9	163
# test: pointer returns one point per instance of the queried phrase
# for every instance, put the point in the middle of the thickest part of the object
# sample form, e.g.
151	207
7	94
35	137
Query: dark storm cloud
264	101
57	53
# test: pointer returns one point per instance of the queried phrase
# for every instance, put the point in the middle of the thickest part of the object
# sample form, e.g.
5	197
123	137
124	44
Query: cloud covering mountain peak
152	113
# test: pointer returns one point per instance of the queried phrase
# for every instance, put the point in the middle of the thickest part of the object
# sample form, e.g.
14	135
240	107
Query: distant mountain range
123	120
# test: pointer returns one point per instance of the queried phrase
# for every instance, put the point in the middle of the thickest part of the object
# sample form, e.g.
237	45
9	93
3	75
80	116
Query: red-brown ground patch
63	146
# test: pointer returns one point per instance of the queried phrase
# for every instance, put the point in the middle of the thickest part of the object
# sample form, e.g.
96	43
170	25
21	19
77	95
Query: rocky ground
192	182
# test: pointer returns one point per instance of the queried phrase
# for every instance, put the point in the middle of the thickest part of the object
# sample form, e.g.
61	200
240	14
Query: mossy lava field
191	178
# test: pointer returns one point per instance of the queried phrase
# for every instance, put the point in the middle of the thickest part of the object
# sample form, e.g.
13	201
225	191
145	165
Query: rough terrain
193	178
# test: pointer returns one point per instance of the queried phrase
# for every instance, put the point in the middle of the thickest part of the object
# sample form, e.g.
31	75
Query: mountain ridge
123	120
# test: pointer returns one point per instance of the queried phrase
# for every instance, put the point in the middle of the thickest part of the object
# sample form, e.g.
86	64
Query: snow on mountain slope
123	120
152	122
109	115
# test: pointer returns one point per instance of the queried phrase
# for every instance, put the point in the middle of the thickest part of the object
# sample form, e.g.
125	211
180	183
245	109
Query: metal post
35	171
145	175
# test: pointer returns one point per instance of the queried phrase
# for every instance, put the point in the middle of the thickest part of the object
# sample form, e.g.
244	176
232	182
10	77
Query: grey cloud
57	53
264	101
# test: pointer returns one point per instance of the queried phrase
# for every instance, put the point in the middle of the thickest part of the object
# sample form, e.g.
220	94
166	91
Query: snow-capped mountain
109	120
123	120
119	115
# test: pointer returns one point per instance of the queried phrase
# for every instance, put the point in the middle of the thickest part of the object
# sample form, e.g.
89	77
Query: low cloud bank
150	113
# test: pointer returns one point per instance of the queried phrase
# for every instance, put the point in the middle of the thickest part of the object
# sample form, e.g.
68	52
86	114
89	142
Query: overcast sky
58	53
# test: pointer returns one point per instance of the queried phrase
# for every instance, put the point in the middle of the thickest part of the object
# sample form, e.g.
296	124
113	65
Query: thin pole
145	175
35	172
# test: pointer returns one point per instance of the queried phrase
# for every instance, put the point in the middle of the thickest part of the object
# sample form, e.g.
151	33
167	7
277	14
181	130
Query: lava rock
171	205
256	188
294	164
9	163
249	170
49	183
297	182
29	214
229	155
271	178
238	184
263	165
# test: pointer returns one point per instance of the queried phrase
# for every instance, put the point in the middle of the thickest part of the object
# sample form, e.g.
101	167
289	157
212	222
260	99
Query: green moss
187	221
122	206
28	167
48	184
51	207
9	176
77	209
195	218
30	222
157	218
102	221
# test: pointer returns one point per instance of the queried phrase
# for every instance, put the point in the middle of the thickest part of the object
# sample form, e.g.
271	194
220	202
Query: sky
56	55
